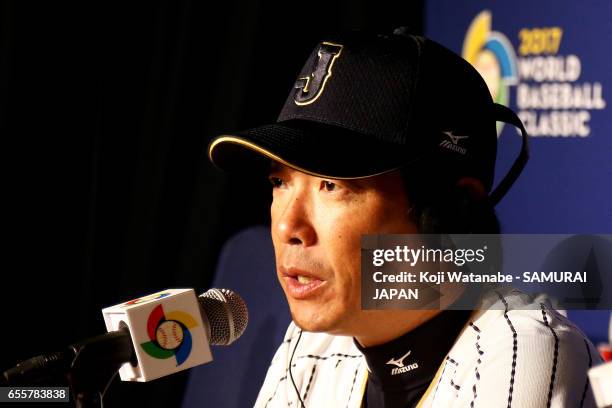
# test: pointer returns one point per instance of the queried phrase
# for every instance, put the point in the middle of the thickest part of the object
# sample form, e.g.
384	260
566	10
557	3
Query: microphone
150	337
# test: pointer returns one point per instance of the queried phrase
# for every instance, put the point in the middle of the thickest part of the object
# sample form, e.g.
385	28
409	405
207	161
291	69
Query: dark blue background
567	184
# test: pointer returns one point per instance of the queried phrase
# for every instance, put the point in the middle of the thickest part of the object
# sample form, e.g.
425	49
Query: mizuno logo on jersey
401	368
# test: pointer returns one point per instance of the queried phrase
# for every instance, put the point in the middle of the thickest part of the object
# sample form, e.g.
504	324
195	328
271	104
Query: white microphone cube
167	330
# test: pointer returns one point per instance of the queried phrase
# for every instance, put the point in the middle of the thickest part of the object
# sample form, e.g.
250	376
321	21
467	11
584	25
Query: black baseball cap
366	104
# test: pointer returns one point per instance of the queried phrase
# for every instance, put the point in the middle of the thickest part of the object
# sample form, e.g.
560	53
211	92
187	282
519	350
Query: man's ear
461	208
474	188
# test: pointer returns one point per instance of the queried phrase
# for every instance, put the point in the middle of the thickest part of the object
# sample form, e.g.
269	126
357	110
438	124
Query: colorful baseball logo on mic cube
167	331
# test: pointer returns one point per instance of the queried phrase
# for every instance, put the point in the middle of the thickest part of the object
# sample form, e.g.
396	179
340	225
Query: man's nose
295	226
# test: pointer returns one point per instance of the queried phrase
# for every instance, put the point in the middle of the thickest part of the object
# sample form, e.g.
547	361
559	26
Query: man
393	134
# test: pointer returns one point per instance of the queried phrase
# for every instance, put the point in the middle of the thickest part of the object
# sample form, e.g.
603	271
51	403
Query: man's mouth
304	279
300	284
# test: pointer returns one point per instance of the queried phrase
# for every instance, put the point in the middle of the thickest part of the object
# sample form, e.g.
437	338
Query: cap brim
316	149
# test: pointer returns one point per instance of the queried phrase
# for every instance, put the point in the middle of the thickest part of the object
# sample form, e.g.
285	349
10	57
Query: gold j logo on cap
309	88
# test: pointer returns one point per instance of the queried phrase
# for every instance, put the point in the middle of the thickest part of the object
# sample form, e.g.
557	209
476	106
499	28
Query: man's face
316	230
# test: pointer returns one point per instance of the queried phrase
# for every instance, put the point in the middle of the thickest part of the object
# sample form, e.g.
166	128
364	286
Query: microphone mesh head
227	315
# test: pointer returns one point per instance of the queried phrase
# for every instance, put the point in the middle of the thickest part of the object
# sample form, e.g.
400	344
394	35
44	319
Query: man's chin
316	328
317	323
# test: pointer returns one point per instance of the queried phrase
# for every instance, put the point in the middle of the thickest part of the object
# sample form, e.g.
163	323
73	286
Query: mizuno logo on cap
453	142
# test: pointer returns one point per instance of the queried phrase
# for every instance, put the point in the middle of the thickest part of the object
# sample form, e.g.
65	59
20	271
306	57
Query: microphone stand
89	366
96	362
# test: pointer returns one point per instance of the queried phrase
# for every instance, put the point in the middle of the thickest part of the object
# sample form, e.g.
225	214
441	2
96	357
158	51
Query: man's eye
328	185
276	181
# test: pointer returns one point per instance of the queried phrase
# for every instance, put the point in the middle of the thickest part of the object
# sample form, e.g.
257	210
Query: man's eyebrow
356	184
276	167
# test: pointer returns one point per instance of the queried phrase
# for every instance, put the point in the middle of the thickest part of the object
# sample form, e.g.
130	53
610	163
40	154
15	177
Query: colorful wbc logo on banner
491	53
550	97
169	335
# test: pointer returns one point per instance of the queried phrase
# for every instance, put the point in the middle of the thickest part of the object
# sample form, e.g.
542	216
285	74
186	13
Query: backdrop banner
549	61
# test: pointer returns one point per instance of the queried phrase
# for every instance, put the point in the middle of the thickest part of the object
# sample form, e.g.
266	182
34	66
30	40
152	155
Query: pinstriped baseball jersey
517	352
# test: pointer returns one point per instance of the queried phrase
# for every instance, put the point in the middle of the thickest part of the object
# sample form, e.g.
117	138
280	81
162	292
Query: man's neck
385	325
